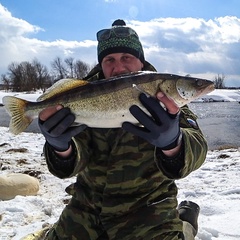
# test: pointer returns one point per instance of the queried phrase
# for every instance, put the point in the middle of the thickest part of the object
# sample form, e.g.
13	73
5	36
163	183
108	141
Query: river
219	122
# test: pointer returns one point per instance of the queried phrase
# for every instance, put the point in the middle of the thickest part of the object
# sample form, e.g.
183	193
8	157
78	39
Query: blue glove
57	129
161	130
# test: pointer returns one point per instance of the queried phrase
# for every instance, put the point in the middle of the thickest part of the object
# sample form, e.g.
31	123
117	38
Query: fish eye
199	82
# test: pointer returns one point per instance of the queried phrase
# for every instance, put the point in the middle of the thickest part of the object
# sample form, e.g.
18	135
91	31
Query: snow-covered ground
215	186
221	95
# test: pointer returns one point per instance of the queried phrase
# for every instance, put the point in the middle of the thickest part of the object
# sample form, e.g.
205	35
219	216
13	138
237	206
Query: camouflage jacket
118	172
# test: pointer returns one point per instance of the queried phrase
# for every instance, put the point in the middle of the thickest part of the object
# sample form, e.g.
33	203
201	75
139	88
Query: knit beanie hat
119	39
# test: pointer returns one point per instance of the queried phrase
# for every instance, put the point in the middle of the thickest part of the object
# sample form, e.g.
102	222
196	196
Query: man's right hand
55	124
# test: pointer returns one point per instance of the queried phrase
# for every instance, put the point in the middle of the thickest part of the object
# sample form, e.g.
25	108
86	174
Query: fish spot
183	93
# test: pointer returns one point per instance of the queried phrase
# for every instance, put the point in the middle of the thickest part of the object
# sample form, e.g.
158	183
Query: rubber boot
189	211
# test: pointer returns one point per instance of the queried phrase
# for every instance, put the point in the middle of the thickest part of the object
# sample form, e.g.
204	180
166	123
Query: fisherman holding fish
125	186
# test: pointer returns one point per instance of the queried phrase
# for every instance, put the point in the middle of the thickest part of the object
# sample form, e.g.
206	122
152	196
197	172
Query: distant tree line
30	76
219	81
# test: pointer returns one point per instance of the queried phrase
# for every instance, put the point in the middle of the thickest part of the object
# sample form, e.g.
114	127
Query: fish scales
109	98
105	103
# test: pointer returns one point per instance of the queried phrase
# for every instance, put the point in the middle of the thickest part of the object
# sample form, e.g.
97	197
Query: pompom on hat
119	39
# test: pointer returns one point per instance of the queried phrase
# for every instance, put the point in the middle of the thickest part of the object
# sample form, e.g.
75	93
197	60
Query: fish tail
16	108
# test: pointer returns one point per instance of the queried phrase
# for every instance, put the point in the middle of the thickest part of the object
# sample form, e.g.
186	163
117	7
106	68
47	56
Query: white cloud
177	45
14	27
16	44
193	46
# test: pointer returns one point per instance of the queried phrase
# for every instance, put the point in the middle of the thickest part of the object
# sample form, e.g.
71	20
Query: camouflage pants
83	224
188	234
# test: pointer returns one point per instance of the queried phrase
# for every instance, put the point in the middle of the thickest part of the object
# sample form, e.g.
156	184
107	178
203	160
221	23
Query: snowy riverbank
215	186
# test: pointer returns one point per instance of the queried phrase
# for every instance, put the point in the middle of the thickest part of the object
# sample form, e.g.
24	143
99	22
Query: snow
215	186
222	95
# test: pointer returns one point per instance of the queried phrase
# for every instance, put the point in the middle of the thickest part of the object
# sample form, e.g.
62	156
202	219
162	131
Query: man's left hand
161	128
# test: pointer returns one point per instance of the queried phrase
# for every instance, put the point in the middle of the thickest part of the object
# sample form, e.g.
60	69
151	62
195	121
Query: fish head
190	88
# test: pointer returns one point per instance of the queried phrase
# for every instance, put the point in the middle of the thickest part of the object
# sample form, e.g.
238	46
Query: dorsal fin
61	86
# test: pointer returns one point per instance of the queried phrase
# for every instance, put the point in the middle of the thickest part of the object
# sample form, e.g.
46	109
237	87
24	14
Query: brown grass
224	147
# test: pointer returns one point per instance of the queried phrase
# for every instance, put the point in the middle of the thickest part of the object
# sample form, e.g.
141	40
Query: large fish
105	103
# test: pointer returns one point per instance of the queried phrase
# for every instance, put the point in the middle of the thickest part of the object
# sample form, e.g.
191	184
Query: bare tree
43	80
6	82
70	66
27	76
59	68
219	81
81	69
15	74
23	76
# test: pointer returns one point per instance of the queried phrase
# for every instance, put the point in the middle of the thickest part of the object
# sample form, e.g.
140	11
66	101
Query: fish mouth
205	86
194	88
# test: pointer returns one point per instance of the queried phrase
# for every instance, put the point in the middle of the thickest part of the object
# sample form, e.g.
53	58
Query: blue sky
197	37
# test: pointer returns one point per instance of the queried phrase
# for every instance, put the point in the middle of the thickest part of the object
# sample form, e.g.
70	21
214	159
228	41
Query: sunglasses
105	34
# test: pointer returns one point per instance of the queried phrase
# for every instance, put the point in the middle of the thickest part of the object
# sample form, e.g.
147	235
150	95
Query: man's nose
119	68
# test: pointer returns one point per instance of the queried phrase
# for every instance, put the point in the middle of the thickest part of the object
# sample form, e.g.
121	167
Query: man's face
119	63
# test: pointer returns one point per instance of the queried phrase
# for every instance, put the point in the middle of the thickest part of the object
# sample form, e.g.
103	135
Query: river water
219	121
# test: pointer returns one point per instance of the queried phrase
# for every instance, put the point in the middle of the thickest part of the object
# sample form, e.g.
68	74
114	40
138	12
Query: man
125	176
